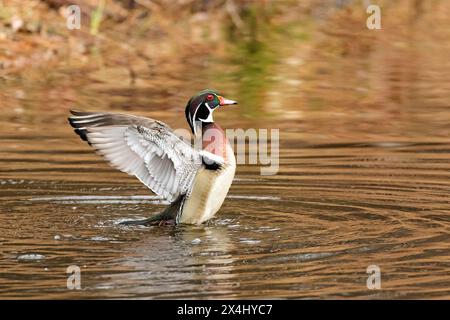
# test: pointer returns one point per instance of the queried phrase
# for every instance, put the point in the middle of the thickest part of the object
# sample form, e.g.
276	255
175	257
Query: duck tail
171	213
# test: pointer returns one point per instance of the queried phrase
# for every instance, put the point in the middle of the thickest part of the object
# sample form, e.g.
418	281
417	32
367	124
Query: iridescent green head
201	106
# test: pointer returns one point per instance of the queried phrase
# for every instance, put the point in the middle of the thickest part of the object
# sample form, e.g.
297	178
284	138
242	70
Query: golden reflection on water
364	170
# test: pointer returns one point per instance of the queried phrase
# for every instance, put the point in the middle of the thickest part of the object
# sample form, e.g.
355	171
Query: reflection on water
363	180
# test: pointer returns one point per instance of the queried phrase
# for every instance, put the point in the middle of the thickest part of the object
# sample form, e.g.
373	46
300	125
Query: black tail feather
171	212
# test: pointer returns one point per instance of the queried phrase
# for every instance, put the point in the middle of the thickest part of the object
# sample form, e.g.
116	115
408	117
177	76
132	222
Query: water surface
363	179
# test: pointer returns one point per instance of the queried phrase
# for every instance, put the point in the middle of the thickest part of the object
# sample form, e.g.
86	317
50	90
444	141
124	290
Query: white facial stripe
193	118
208	119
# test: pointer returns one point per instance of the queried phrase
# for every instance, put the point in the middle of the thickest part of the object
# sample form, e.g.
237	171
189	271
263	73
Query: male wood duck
194	180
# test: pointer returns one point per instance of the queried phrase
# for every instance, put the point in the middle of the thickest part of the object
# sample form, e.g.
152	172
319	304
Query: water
363	179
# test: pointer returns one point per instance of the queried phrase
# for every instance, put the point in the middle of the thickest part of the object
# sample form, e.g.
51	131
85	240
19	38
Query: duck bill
226	102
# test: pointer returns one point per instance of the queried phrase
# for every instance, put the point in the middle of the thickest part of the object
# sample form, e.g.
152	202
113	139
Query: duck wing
143	147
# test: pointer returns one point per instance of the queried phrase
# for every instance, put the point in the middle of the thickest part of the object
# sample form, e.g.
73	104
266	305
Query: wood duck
194	180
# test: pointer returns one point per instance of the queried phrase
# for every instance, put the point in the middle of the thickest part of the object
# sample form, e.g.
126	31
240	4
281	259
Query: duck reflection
182	261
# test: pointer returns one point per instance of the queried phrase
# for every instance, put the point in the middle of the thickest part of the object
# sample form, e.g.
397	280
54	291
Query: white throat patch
210	115
208	119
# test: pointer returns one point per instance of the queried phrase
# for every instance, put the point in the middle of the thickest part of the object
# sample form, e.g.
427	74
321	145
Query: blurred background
313	64
364	152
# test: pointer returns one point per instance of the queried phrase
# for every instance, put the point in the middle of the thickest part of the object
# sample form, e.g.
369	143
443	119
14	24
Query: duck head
201	107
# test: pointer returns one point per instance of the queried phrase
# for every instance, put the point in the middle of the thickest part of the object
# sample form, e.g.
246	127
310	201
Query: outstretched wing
142	147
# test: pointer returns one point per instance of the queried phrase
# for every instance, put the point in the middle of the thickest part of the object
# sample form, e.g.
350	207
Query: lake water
364	175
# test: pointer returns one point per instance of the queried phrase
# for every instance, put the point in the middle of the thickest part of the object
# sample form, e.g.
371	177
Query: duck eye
209	97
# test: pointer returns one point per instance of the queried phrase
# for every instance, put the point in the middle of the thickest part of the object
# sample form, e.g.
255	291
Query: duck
194	178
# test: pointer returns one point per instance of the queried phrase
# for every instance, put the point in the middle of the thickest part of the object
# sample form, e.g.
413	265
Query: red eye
209	97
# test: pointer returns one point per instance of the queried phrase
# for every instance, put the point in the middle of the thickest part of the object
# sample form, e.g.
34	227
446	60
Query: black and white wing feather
143	147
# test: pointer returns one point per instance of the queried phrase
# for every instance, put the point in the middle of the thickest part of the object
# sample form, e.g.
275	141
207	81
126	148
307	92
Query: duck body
194	180
209	190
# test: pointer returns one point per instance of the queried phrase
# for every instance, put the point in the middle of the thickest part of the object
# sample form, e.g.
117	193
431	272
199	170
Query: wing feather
143	147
